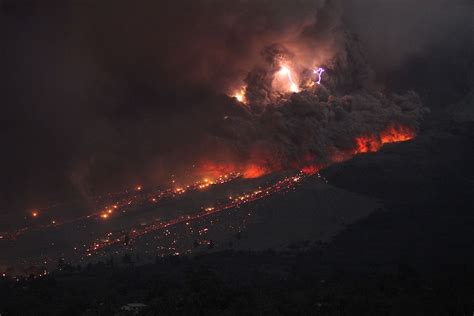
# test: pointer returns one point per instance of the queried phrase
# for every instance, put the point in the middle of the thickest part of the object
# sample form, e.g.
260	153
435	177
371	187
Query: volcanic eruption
236	157
239	99
295	119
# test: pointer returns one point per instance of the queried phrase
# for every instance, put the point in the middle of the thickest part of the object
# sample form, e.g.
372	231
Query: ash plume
314	126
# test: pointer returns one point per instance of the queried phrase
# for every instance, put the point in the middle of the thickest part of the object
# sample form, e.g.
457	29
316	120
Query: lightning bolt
319	73
285	71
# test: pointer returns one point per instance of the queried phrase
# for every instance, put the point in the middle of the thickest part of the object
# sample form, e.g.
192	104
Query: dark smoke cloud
318	123
424	45
105	94
312	125
395	30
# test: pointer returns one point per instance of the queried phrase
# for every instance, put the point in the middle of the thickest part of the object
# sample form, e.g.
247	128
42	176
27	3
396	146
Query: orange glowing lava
254	171
260	164
366	144
240	95
216	170
310	170
392	134
395	134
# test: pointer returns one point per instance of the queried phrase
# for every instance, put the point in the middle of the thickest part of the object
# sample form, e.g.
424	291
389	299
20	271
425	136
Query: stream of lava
233	202
373	143
363	144
122	203
114	206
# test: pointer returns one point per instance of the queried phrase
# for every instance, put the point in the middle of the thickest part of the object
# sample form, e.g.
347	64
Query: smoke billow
105	94
424	45
319	124
314	126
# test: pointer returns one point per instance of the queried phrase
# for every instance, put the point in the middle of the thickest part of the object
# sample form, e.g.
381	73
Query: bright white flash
284	71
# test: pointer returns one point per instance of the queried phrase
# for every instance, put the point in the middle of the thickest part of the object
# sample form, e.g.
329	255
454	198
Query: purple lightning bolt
319	72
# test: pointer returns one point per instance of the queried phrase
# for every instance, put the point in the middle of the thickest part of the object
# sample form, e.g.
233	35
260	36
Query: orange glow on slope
240	95
309	170
392	134
216	170
259	165
34	213
250	170
254	171
363	144
366	144
395	134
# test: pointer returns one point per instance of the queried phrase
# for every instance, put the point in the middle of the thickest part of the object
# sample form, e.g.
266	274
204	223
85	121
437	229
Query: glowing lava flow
121	205
114	206
364	143
250	170
253	171
285	71
392	134
233	202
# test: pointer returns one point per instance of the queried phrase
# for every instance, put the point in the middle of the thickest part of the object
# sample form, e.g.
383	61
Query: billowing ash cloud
105	94
318	124
422	45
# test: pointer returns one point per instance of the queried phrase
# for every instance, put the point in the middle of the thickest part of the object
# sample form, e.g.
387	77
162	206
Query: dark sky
99	95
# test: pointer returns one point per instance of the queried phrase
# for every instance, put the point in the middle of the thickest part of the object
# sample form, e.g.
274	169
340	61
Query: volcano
236	157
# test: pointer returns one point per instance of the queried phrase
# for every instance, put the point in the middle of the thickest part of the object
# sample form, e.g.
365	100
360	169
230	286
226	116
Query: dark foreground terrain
412	257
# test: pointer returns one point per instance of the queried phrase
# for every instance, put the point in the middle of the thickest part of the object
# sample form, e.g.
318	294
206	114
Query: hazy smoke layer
102	94
424	45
